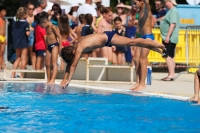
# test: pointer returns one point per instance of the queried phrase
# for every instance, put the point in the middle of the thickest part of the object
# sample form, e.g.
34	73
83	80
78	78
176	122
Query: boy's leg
2	49
143	71
17	61
33	57
136	60
196	86
54	57
139	42
48	65
24	53
39	62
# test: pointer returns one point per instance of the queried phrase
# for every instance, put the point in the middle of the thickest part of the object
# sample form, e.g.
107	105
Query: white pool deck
182	88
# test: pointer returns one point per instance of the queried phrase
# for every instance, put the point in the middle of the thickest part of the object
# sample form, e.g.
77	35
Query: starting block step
30	75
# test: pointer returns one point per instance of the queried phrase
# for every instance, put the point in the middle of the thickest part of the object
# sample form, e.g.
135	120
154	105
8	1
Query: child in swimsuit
120	50
2	35
87	30
53	35
40	43
64	28
145	30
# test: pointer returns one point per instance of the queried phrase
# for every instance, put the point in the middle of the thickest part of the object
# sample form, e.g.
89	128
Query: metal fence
193	48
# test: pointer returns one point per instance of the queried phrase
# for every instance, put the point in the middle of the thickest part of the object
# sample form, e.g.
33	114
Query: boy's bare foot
139	88
134	86
153	45
194	99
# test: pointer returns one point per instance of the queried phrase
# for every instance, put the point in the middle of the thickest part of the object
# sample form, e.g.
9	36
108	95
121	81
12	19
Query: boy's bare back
91	42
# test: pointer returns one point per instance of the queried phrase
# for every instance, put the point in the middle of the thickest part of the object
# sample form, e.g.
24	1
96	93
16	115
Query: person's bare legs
33	57
143	72
110	54
114	61
136	60
24	53
39	63
133	51
48	65
119	58
104	52
62	65
95	52
17	61
85	55
123	59
54	57
195	98
171	67
2	49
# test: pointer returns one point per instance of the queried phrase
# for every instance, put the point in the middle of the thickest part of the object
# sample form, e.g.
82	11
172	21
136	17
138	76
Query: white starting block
95	70
31	77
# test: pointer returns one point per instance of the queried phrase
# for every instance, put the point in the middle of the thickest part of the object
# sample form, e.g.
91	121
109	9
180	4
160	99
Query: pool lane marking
182	98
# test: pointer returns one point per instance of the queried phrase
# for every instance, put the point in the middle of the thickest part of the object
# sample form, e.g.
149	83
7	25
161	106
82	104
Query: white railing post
6	47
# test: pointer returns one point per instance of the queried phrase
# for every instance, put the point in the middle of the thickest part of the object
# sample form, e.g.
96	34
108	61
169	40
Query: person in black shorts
169	29
120	50
87	30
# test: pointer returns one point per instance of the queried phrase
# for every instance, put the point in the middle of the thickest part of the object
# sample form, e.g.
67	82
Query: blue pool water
41	108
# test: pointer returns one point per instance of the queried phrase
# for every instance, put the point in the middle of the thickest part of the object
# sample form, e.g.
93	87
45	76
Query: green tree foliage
11	6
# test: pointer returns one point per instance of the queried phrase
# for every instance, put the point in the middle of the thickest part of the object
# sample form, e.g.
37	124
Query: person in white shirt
87	8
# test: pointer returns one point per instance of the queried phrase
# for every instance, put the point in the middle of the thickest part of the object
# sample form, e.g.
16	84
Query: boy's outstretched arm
74	64
63	82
